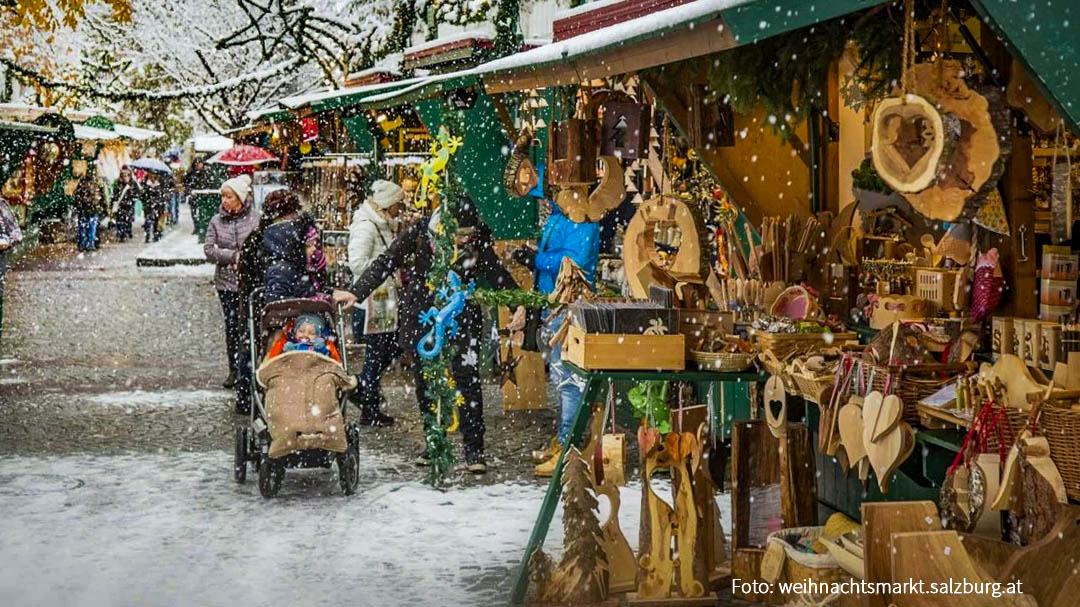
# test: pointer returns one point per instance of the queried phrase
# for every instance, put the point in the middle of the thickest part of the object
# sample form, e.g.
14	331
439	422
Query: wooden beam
704	39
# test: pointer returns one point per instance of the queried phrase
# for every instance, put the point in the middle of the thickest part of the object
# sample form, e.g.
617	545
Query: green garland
441	388
511	298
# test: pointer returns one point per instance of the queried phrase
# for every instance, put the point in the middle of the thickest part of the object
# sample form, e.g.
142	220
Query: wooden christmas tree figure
581	576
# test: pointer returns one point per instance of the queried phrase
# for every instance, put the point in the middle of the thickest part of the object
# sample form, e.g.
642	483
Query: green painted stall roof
744	21
323	101
424	89
1039	34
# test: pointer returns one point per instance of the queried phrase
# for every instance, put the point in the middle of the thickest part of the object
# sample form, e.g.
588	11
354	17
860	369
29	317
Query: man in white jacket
375	318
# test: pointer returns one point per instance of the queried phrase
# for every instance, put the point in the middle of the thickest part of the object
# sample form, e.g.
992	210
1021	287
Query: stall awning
689	30
25	127
91	133
340	98
1038	35
136	133
423	89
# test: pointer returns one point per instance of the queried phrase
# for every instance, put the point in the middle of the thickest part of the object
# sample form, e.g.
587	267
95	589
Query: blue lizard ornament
443	321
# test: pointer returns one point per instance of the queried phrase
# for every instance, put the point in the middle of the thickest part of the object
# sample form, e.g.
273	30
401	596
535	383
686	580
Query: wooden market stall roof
674	34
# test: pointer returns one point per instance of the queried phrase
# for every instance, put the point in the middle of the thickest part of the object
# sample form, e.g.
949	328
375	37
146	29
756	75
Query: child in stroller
300	392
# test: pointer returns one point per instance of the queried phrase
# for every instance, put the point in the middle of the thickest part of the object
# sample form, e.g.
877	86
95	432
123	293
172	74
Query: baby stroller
298	404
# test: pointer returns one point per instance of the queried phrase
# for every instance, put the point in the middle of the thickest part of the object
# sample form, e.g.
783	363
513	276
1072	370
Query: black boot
373	416
230	381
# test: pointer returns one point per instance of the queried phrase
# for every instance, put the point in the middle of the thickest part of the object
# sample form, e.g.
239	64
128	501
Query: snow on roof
584	8
390	64
487	32
417	83
611	36
298	101
92	133
136	133
25	126
254	115
210	143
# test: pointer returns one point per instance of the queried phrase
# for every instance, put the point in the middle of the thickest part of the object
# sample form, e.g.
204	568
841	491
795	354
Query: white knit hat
240	185
386	194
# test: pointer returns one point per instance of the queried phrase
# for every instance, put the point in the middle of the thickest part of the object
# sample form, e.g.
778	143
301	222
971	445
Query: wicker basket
1061	427
913	383
724	362
807	566
775	367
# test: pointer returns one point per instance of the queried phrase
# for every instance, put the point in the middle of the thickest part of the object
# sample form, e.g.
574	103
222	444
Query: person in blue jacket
581	243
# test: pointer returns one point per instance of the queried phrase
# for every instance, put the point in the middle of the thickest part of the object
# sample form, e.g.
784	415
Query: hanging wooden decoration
688	264
1061	209
940	143
908	142
623	131
572	152
520	176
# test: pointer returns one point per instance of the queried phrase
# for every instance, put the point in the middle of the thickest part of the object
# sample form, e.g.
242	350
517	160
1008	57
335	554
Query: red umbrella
242	155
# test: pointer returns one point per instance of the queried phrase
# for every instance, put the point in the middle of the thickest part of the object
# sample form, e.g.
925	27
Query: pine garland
511	298
441	388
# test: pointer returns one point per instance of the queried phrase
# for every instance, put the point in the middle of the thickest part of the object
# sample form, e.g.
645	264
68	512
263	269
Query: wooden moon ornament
579	206
907	142
689	263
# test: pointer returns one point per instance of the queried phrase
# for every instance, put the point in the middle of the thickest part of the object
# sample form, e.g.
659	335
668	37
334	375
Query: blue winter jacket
564	238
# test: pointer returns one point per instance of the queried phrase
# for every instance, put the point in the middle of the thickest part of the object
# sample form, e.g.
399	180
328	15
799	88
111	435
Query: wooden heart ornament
775	406
887	454
851	432
907	142
887	416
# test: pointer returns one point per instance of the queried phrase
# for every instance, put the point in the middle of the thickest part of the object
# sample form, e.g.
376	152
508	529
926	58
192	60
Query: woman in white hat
370	233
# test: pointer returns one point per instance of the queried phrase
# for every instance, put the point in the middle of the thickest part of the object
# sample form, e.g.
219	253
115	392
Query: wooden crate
943	289
615	351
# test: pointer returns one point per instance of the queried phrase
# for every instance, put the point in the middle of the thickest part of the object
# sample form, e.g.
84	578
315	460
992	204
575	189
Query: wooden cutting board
882	519
886	417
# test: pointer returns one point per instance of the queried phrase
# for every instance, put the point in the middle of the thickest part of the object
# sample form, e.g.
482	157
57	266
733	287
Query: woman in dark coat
294	261
155	206
125	191
477	260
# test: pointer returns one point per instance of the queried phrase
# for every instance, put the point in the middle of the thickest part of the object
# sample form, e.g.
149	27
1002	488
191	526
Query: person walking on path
87	203
155	206
199	177
125	191
10	235
375	318
225	236
580	242
476	260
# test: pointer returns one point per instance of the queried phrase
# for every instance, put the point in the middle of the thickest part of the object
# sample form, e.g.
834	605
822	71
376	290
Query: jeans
564	382
88	232
174	209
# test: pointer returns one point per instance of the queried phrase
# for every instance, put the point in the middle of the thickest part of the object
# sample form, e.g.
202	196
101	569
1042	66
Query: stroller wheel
240	455
348	464
270	475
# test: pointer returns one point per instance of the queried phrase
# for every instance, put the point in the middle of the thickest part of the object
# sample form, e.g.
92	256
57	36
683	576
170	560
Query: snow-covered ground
175	530
177	247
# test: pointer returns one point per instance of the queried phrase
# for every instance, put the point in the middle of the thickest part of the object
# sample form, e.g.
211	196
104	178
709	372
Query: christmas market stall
850	204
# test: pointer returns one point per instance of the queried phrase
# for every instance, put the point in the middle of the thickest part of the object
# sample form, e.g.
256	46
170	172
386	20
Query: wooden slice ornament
938	142
907	143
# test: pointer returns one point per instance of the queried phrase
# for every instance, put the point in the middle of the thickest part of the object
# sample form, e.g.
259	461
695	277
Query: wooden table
596	383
